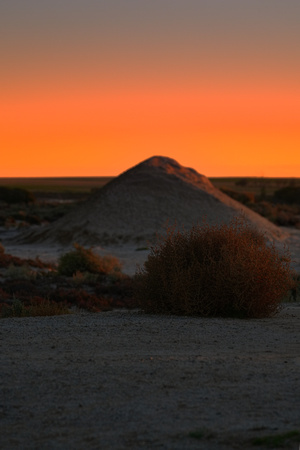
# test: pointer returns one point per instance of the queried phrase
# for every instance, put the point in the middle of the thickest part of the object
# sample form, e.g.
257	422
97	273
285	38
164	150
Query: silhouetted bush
85	260
15	195
226	270
289	194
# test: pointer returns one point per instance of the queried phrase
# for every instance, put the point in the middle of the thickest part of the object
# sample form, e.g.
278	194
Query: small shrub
85	260
226	270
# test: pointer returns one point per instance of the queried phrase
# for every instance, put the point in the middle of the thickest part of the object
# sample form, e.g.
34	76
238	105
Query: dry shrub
85	260
226	270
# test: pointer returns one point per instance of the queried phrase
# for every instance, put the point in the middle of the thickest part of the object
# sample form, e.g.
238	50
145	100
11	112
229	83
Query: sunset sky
93	87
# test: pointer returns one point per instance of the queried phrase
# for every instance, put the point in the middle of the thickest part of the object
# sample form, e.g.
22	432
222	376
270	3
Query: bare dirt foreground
124	379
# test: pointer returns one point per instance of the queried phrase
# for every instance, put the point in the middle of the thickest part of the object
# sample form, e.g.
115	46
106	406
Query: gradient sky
92	87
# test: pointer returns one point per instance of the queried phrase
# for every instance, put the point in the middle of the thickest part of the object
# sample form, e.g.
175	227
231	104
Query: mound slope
137	204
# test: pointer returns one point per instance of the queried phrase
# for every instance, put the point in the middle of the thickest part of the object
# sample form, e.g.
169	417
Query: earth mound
136	205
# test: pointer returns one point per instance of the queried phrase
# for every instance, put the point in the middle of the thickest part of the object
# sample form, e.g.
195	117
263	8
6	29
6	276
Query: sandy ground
124	379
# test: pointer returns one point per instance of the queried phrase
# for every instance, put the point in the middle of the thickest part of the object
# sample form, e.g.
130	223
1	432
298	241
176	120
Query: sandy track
123	380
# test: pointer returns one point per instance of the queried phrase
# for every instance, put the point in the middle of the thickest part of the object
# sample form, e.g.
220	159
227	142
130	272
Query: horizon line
114	176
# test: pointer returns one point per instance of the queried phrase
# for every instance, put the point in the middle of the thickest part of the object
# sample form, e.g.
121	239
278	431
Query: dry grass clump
85	260
226	270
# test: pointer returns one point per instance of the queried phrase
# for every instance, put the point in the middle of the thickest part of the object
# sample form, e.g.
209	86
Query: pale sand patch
124	379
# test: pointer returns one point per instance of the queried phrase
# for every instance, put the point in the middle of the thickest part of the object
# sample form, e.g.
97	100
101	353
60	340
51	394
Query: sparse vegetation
42	291
278	208
104	289
226	270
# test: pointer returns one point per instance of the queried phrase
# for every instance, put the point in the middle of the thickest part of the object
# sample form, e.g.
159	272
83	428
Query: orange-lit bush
226	270
85	260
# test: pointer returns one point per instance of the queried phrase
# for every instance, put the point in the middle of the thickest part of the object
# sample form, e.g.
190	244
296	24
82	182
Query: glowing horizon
215	87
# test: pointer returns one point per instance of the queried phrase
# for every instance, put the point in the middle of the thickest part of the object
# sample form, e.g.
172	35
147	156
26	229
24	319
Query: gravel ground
126	380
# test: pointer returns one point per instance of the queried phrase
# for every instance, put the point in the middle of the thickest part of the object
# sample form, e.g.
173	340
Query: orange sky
225	114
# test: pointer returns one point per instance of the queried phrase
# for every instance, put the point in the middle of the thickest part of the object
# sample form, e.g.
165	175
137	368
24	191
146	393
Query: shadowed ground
127	380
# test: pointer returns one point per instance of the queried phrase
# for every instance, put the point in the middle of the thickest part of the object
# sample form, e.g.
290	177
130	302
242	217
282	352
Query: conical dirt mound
136	205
